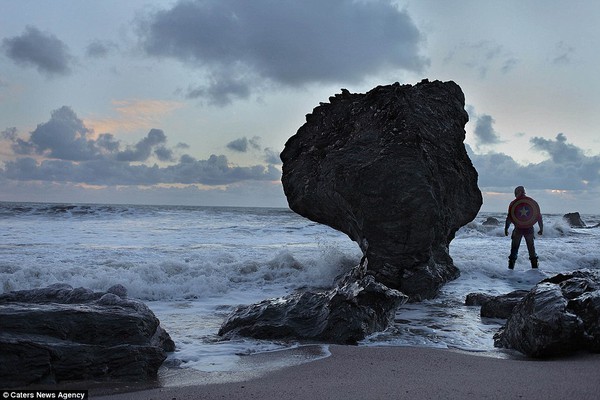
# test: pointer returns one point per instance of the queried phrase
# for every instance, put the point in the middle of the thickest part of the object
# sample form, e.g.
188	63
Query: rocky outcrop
496	306
574	220
389	169
491	221
357	307
59	334
559	315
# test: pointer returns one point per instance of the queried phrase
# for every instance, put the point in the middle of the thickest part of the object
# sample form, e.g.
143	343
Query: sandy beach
390	373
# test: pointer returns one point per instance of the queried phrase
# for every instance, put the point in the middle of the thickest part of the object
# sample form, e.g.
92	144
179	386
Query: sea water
193	265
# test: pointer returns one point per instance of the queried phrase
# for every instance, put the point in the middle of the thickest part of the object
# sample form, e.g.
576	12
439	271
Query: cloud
484	130
9	134
99	49
559	150
272	157
41	50
242	145
142	150
568	168
214	171
242	45
222	89
65	137
563	54
62	137
66	152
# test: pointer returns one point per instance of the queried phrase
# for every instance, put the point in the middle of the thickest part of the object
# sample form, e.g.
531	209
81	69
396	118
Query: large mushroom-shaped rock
59	334
389	169
559	315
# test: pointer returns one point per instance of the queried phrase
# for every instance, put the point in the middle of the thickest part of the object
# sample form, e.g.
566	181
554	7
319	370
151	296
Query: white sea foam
192	265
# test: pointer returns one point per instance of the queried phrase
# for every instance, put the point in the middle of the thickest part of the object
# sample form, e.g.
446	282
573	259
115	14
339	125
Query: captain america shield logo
524	212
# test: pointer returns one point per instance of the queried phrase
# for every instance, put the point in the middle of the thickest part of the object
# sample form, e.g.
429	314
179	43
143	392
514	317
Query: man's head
519	191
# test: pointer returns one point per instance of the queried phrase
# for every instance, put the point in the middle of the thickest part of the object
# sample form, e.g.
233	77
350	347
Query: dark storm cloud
567	169
242	44
71	155
39	49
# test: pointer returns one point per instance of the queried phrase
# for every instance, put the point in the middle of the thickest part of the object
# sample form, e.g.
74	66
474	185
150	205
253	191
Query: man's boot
511	263
534	262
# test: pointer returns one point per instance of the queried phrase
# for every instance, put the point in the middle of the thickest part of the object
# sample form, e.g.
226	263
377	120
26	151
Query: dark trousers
516	237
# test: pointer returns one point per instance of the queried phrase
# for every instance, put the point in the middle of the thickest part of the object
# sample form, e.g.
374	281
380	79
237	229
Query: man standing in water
523	212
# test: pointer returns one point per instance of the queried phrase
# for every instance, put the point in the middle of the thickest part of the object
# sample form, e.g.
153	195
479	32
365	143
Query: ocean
193	265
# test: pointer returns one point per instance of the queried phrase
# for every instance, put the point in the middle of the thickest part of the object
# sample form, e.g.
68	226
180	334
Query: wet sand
378	373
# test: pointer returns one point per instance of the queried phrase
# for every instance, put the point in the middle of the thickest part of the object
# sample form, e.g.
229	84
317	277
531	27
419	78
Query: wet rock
59	334
357	307
389	169
559	315
491	221
574	219
496	306
477	299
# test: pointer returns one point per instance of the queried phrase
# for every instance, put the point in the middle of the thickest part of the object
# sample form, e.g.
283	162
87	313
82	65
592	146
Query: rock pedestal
389	169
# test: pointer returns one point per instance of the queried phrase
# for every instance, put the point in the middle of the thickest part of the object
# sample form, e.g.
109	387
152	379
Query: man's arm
506	225
540	224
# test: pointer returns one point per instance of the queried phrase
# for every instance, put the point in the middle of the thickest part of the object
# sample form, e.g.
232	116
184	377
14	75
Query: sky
190	102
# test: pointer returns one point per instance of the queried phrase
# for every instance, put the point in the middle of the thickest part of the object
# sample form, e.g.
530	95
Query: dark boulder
496	306
59	334
491	221
357	307
389	169
559	315
574	219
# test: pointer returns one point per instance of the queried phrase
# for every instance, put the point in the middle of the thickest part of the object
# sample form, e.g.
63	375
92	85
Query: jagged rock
389	169
496	306
559	315
491	221
477	299
356	308
574	219
59	334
